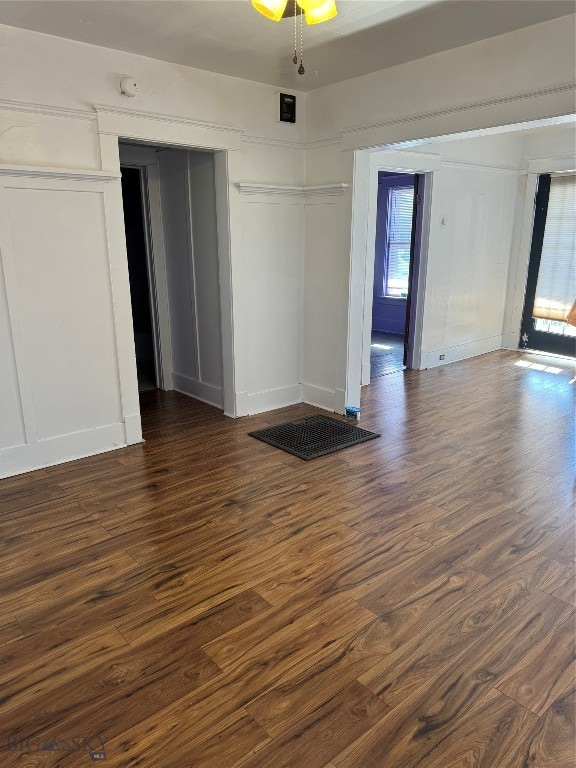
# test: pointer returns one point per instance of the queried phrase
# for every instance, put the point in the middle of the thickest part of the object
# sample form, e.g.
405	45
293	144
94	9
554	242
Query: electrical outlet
442	357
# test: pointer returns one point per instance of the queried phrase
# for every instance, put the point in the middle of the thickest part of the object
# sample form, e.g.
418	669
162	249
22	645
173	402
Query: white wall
61	392
48	92
289	330
521	76
471	225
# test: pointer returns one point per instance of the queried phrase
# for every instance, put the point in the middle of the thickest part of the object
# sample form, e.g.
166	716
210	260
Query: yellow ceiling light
272	9
324	12
315	12
310	5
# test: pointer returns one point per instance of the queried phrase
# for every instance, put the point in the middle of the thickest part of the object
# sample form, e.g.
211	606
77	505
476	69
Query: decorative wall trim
285	143
174	120
43	109
249	188
552	164
64	174
431	358
545	122
480	167
334	142
327	189
199	390
254	188
552	90
60	449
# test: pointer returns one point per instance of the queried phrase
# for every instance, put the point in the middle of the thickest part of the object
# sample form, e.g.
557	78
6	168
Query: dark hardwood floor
204	599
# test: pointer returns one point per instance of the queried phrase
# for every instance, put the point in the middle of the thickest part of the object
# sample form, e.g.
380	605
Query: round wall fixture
128	86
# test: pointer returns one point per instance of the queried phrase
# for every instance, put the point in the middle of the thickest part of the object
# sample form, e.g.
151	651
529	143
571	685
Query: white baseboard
431	358
248	403
57	450
207	393
321	397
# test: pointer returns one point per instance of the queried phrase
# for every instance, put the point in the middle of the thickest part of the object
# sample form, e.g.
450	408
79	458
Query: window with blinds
400	206
556	285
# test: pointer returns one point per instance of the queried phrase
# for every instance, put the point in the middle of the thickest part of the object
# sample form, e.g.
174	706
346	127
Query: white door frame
378	164
364	209
115	125
146	160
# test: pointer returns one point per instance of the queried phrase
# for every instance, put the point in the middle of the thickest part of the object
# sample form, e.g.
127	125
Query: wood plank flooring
204	600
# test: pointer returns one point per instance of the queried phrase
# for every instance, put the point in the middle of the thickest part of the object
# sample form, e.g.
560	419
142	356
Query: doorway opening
549	315
139	268
170	220
396	258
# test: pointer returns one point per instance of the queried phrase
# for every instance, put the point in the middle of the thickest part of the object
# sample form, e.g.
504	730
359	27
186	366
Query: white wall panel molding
50	111
57	450
24	405
526	125
321	143
552	164
476	167
263	140
64	296
322	190
247	188
62	174
128	124
561	88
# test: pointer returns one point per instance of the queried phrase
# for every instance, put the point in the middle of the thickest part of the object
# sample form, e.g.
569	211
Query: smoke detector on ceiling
128	86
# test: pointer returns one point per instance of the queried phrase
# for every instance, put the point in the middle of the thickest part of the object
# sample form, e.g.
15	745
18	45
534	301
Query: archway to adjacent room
502	181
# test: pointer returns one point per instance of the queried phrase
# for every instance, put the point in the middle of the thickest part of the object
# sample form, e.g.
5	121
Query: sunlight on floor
538	366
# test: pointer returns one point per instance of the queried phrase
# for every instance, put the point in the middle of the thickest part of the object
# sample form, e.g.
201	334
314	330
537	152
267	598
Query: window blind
399	235
556	286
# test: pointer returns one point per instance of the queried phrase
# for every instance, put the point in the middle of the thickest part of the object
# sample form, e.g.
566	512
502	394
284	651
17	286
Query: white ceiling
230	37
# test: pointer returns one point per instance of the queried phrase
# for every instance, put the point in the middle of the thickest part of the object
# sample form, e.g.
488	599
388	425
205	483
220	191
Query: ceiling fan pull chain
301	69
295	59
